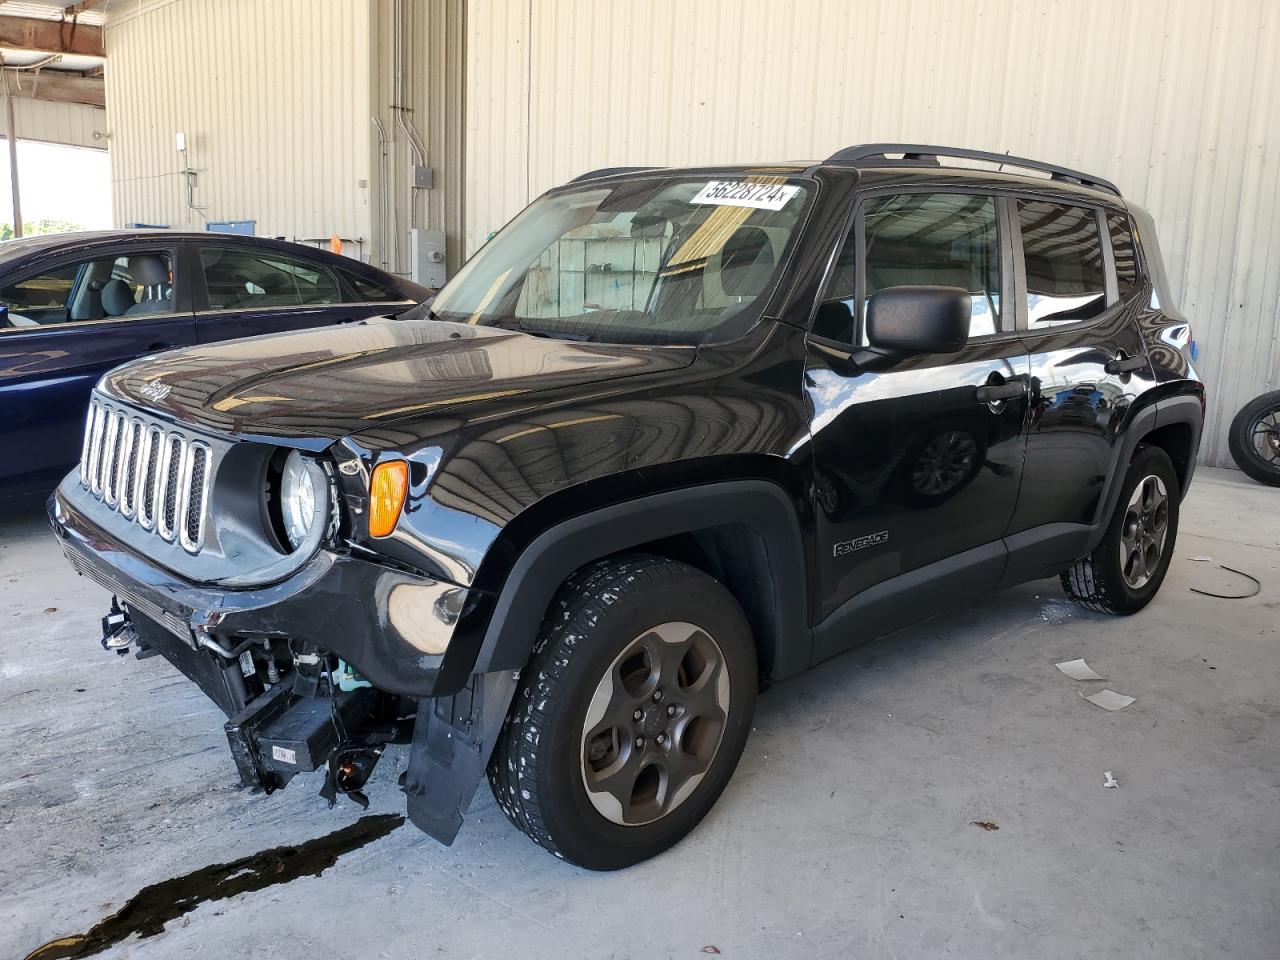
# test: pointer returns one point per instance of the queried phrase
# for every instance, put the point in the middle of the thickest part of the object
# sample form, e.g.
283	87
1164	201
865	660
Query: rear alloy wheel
631	714
1143	532
1126	569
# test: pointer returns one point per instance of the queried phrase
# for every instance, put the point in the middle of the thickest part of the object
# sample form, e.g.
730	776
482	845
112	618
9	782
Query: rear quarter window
1124	253
373	292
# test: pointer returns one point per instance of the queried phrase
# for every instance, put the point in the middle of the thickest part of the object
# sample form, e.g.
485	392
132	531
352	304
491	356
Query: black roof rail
610	171
878	154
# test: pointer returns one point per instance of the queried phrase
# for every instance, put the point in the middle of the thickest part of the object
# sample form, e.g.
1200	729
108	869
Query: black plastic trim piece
452	740
909	597
1045	550
546	563
1187	410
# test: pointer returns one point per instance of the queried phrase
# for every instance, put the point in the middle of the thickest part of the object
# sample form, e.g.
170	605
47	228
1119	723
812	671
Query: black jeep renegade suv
671	435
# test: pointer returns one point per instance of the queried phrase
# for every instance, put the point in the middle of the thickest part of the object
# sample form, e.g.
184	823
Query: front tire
1126	569
631	714
1254	438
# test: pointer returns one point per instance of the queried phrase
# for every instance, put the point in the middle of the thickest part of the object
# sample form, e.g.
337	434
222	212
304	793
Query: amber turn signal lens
387	491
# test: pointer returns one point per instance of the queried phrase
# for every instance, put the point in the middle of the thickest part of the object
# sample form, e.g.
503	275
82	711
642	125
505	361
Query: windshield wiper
551	334
419	311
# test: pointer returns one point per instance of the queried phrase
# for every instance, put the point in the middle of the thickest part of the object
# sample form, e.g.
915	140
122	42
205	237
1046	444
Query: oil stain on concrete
152	907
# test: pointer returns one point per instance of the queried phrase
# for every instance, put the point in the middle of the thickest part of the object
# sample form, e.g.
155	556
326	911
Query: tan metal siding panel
497	110
434	90
277	130
1174	100
71	123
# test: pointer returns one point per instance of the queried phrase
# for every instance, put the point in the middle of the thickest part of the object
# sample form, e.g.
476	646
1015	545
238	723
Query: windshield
660	260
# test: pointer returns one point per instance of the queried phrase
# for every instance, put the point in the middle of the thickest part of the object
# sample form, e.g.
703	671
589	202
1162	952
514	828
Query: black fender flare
454	735
1162	413
761	506
1186	409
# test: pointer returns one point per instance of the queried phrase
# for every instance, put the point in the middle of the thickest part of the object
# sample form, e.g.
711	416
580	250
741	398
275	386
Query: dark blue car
74	305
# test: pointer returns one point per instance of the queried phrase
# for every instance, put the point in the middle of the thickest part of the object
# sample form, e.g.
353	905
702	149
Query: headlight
297	499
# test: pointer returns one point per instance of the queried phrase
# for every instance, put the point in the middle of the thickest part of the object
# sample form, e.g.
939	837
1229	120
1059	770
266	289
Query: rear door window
240	280
1062	255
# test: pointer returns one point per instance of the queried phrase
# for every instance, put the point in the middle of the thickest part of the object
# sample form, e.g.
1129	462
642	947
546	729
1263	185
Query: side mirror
904	320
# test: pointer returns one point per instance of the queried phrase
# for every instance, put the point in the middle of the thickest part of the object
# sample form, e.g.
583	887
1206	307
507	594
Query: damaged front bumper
394	627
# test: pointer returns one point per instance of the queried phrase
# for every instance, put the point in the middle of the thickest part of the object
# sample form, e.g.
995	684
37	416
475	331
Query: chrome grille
111	459
197	487
149	468
130	445
97	415
157	477
175	449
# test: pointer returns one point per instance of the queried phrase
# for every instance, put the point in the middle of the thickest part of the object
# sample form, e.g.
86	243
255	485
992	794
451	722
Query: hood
317	386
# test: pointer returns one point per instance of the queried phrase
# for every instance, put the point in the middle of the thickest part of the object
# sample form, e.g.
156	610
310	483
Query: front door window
918	239
102	289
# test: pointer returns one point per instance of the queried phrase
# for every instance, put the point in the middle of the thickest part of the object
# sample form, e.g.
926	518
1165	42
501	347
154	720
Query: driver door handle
995	392
1123	364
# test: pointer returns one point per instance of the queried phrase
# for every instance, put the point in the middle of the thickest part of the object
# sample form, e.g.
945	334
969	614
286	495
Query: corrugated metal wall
435	68
274	100
71	123
1175	100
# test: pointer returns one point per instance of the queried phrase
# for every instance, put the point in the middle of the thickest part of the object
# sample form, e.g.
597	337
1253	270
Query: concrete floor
846	832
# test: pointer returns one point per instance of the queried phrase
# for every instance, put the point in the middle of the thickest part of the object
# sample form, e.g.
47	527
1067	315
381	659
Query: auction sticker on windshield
738	193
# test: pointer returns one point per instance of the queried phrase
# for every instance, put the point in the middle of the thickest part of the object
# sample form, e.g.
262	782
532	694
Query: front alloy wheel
631	714
654	723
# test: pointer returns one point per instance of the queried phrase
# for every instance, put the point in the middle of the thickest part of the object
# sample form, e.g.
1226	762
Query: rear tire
1126	569
631	714
1254	438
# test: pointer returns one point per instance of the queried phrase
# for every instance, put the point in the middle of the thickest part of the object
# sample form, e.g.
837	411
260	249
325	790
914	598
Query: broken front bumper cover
391	625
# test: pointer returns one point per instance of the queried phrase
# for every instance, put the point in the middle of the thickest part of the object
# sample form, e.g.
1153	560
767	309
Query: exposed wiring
1257	586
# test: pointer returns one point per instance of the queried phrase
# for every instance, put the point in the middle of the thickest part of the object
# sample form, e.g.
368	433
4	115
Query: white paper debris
1201	559
1110	700
1110	781
1078	670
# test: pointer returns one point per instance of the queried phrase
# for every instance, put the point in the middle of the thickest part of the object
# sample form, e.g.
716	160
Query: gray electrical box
426	257
421	177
